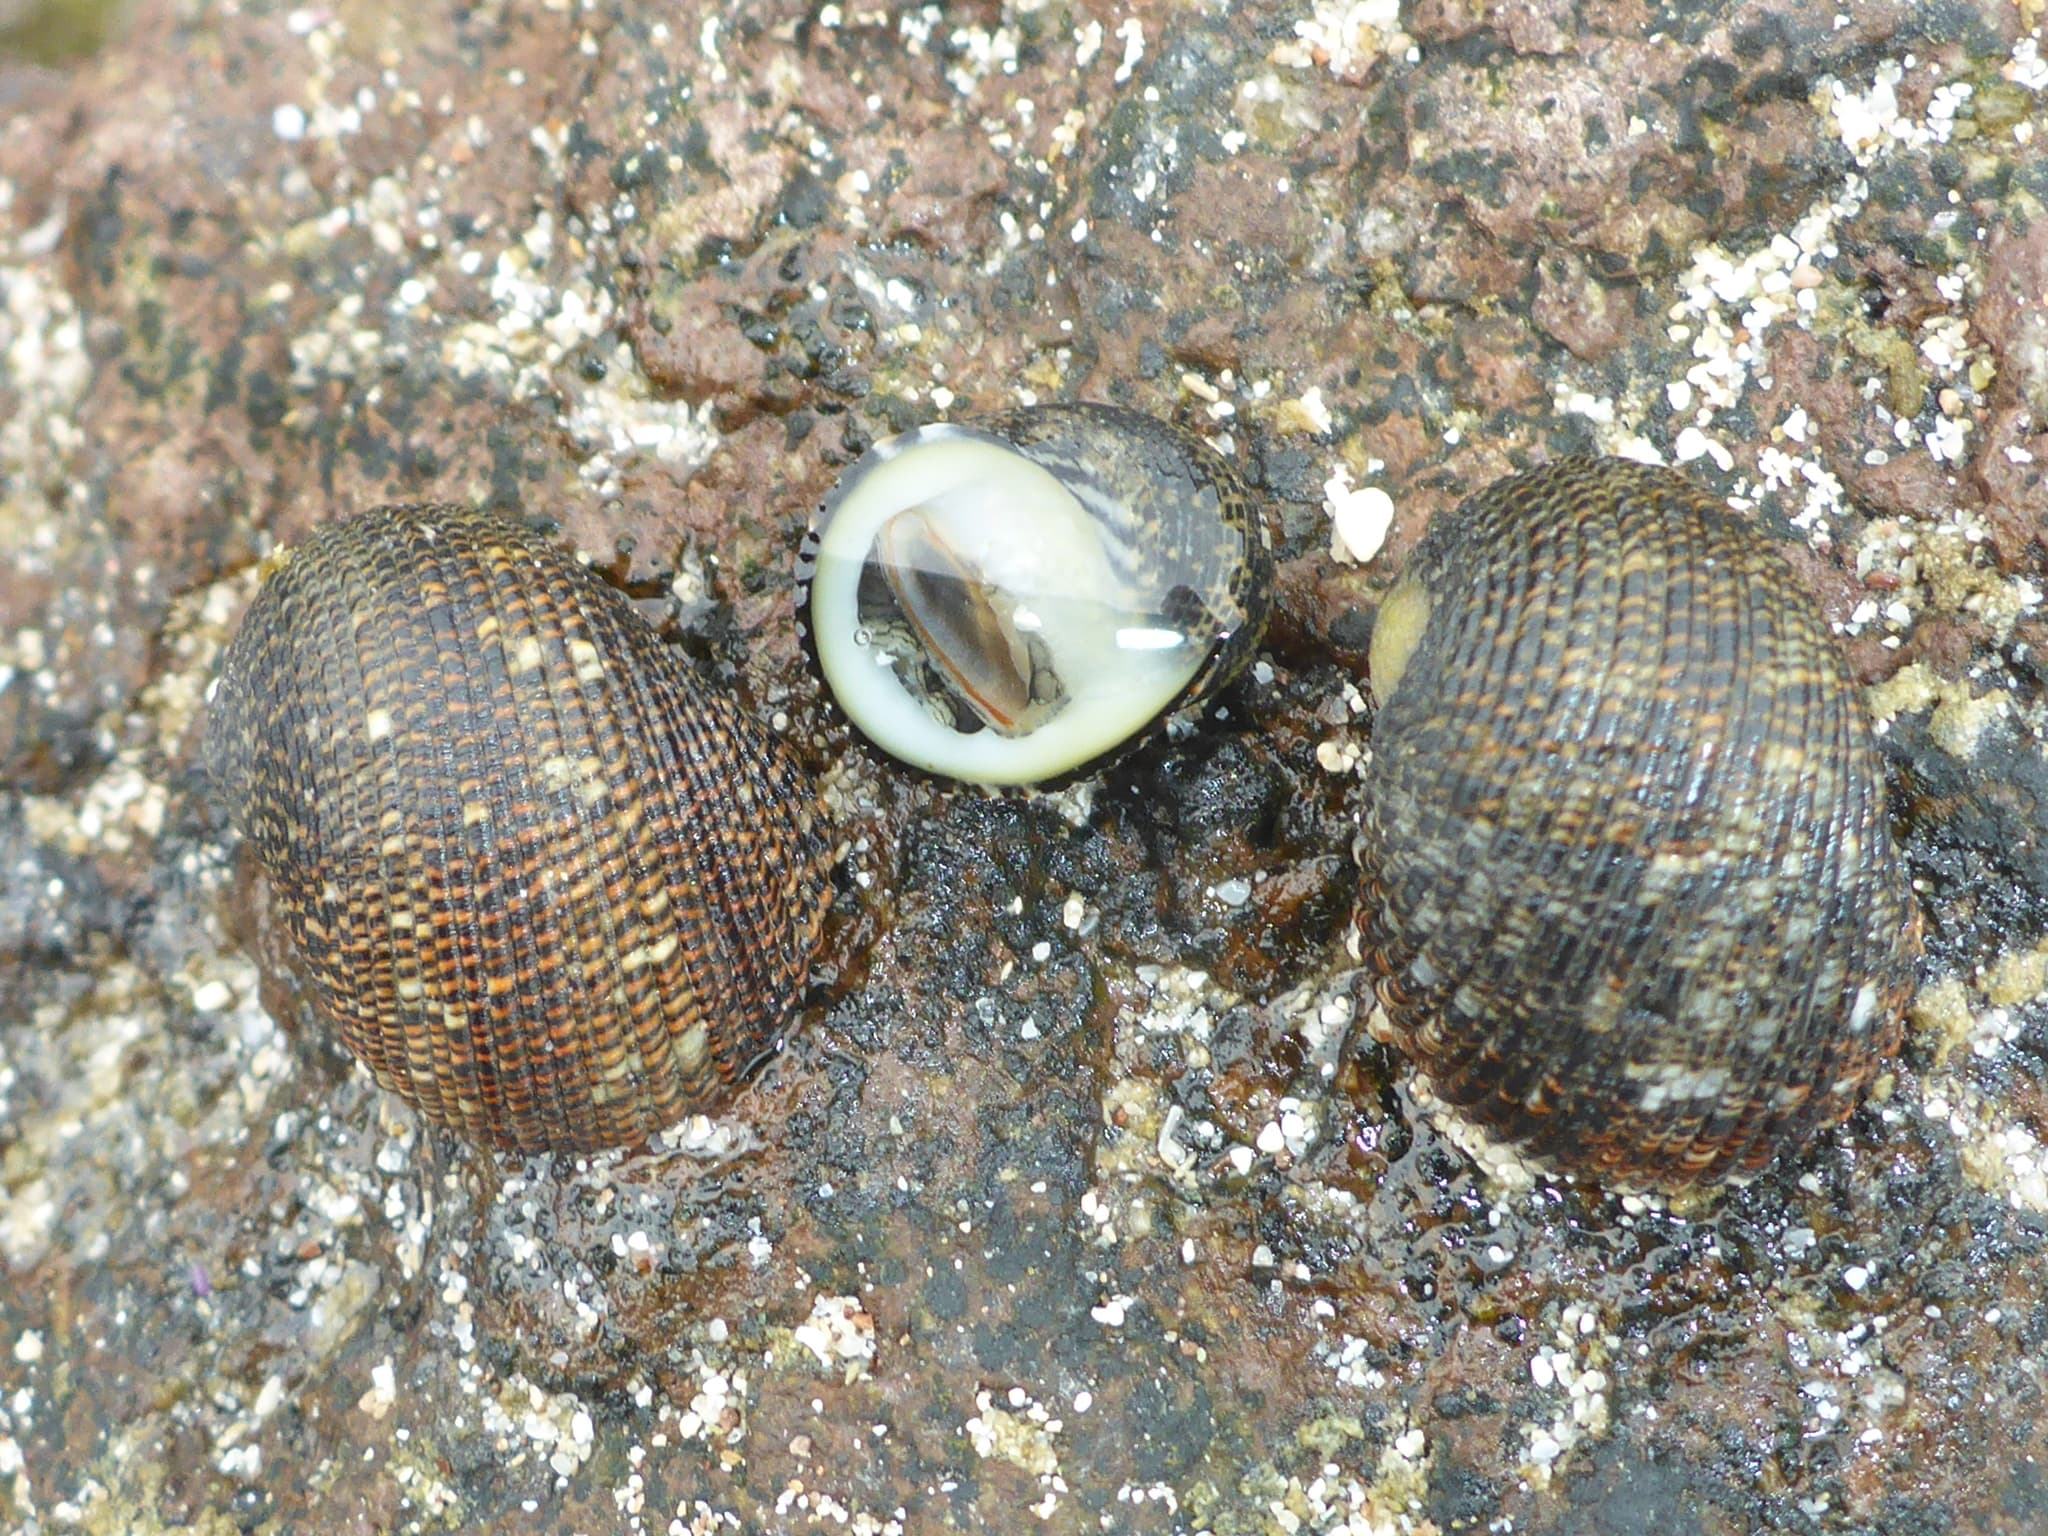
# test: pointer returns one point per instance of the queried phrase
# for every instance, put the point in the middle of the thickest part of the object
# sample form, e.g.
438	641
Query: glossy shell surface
552	890
1008	601
1628	886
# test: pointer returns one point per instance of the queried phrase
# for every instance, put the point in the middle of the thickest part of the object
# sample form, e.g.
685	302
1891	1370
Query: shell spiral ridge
552	891
1629	890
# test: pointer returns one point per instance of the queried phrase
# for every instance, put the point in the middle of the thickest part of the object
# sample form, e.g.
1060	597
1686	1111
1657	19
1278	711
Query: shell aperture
1008	601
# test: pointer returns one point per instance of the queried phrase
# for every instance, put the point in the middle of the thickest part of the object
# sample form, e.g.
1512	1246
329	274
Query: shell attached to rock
1628	886
554	892
1008	601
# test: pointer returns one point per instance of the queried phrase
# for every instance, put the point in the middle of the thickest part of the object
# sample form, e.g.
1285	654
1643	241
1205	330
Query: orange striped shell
553	891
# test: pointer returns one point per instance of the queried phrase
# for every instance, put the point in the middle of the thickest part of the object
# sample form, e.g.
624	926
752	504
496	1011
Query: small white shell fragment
1359	518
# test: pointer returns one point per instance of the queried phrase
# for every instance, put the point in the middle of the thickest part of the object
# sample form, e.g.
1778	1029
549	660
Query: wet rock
1077	1195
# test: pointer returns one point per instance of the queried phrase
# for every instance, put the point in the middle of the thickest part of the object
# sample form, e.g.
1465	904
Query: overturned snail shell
553	892
1628	884
1007	601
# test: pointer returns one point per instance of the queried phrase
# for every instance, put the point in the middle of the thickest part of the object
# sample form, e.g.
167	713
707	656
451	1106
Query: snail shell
1010	600
1628	886
552	891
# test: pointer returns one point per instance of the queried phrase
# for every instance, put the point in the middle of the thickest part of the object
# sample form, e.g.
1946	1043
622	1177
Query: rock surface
1078	1201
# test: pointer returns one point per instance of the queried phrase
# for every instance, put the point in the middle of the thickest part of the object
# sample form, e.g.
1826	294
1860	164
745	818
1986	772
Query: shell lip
1228	640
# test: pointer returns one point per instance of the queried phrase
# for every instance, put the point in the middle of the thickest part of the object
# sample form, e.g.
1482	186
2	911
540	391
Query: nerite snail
1010	600
553	891
1628	887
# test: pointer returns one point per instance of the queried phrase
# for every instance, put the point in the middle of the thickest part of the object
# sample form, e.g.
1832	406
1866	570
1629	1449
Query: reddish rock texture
657	273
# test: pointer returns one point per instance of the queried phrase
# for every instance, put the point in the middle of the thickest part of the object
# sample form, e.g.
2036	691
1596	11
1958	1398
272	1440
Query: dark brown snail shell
553	892
1628	891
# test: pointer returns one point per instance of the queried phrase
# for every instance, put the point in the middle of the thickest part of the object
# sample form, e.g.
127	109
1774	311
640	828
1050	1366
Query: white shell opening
975	617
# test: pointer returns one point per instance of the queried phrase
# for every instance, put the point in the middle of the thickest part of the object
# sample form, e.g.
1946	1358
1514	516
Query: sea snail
1010	600
1628	890
552	891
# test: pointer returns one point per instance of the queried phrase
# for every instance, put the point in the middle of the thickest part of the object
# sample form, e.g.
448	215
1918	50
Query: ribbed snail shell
1011	600
552	891
1628	886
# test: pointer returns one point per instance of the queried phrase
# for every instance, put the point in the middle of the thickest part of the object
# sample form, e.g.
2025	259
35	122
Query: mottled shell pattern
1010	600
552	890
1628	885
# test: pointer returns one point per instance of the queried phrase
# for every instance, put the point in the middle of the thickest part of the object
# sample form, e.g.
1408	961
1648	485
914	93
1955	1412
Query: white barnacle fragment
840	1333
1359	518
